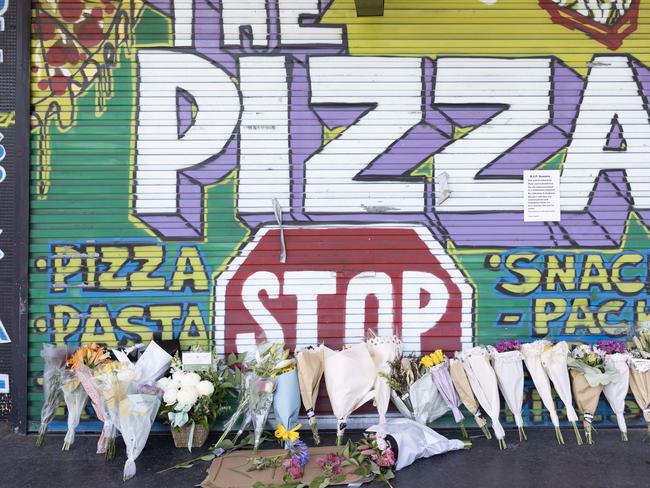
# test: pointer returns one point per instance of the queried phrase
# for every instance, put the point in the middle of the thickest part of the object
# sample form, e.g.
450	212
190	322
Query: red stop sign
338	283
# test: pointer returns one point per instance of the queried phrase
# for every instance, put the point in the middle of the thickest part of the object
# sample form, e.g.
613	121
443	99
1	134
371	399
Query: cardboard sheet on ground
231	471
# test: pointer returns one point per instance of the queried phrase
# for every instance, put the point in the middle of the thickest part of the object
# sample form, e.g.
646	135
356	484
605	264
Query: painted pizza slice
607	21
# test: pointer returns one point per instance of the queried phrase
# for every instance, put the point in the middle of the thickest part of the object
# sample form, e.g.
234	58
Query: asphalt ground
536	463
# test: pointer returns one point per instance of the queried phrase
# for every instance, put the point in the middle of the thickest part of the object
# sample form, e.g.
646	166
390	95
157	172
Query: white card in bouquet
196	361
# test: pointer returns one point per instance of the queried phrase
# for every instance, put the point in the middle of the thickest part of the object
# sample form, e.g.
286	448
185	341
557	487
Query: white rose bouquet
194	398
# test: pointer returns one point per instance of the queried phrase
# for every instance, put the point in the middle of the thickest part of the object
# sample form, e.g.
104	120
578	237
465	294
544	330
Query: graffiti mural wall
225	172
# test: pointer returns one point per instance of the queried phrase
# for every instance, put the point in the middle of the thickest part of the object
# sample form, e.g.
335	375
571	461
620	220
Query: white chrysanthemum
187	395
178	376
174	383
163	383
205	388
170	396
190	379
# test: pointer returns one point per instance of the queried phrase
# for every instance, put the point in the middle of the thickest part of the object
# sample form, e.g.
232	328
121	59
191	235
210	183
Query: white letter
264	134
394	87
160	152
611	91
292	33
524	86
360	287
183	14
416	320
307	285
254	284
251	13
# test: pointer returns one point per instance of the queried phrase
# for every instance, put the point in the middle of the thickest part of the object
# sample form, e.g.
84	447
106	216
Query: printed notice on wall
542	196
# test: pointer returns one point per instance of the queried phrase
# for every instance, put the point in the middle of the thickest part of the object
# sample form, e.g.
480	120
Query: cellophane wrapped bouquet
75	398
270	361
87	362
438	366
54	364
256	388
413	391
589	375
132	399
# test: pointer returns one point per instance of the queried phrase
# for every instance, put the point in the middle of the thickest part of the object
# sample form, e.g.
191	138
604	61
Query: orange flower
90	355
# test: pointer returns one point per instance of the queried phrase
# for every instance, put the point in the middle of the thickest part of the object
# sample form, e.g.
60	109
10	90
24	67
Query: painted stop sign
339	282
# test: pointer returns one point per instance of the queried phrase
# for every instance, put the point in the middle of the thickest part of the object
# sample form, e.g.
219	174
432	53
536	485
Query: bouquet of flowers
286	400
374	456
464	390
640	372
86	362
270	361
350	376
616	358
132	400
414	440
508	366
310	362
554	361
75	398
532	353
483	381
438	365
589	375
54	358
412	391
194	398
383	350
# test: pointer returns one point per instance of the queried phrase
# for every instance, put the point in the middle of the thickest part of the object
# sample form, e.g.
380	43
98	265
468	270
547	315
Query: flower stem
559	436
577	432
314	431
624	436
486	431
110	448
463	430
522	434
502	444
588	436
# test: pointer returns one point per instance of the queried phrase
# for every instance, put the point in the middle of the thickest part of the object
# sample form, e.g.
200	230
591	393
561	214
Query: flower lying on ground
330	465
